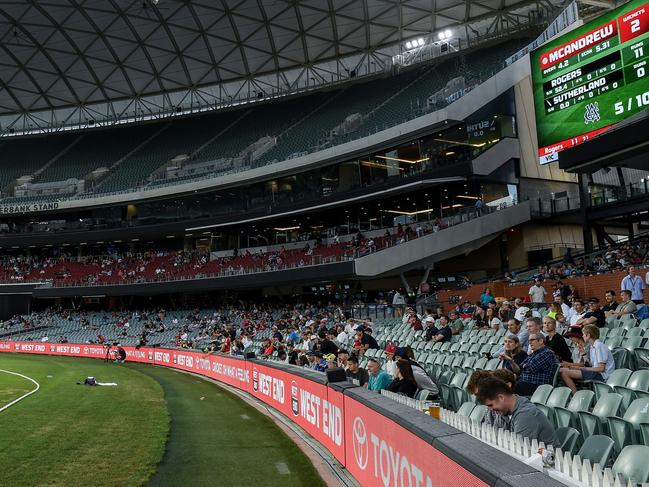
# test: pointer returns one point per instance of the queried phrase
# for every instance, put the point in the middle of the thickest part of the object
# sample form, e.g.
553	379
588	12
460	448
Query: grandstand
343	216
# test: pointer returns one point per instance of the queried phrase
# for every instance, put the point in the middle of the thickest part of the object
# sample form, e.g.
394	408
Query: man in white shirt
342	336
537	293
577	312
601	364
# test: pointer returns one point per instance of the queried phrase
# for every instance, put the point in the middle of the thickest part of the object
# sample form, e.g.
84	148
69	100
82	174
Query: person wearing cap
522	313
378	379
600	361
312	359
356	374
537	294
390	366
343	357
431	329
579	354
594	315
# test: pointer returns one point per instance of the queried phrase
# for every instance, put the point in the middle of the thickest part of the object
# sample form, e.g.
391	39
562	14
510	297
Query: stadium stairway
460	238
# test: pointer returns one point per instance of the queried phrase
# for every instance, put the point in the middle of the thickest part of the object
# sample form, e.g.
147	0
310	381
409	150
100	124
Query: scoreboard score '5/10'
586	81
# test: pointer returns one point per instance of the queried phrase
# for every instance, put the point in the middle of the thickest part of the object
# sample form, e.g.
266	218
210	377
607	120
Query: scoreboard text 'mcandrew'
591	78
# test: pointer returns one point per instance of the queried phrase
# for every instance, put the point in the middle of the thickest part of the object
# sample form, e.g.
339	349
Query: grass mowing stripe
69	434
221	440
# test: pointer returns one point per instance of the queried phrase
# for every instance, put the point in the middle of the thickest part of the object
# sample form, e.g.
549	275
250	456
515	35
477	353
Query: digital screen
586	81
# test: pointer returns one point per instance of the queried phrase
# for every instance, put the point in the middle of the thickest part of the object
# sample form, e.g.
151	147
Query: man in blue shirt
635	284
538	368
379	379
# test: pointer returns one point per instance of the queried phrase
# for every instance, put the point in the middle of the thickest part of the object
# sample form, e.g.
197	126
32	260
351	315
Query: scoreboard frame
586	81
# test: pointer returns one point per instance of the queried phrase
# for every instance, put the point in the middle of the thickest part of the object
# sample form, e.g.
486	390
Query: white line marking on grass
245	416
282	468
38	386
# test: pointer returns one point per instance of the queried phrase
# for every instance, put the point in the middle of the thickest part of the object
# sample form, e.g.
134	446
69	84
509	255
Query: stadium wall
587	287
378	441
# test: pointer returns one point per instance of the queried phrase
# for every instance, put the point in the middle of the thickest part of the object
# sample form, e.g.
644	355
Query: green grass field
158	427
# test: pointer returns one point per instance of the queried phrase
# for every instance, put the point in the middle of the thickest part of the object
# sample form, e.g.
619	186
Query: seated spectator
491	418
537	369
554	341
431	329
600	363
533	325
390	365
525	419
611	304
378	379
493	320
357	374
444	334
404	382
626	307
512	352
367	341
343	358
578	354
514	328
480	317
422	378
594	315
456	324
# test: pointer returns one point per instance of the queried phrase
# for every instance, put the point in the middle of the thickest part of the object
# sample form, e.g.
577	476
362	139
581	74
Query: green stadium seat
568	439
618	377
593	423
541	394
597	449
632	463
581	401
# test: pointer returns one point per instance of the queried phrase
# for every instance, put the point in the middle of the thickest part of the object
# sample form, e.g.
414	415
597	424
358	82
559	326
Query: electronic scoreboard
591	78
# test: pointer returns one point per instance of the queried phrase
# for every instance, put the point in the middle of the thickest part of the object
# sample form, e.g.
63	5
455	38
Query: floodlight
408	45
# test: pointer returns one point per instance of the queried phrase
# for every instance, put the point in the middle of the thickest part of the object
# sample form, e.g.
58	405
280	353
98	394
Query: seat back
632	463
568	439
541	394
466	409
581	401
478	413
597	449
608	405
619	377
559	397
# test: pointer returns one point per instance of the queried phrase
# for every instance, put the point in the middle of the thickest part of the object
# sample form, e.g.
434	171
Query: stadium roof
65	60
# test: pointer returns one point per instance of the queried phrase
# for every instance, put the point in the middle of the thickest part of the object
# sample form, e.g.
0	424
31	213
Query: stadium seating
300	125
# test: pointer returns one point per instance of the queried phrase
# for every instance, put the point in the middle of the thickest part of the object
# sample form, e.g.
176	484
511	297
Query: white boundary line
38	386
